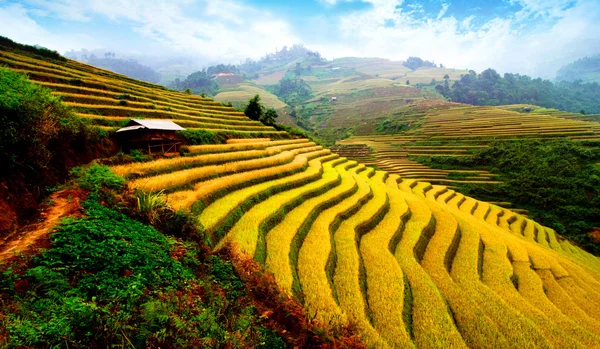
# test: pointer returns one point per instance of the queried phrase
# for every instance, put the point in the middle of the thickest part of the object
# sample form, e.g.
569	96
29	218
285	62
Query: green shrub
110	281
38	52
96	177
196	137
29	115
151	205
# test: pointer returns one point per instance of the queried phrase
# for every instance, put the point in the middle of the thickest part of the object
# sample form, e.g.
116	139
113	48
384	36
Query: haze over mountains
523	36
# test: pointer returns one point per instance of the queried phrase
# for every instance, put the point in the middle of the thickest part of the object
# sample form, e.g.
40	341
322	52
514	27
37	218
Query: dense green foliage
269	117
32	121
414	63
97	176
254	110
392	126
111	281
557	181
196	137
200	82
128	67
8	44
489	88
586	69
279	59
292	91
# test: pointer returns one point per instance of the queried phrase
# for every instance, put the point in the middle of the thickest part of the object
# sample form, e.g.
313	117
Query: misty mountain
586	69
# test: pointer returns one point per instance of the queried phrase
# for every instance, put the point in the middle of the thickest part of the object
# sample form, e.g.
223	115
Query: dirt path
64	203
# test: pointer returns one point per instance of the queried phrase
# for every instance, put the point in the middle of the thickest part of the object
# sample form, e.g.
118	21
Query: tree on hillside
269	117
254	110
199	82
489	88
586	69
413	63
292	91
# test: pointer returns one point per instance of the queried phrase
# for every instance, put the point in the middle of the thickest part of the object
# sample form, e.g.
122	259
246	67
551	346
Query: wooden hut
150	135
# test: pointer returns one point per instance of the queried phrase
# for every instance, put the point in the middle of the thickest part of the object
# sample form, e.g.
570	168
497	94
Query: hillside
446	144
489	88
409	263
345	93
586	69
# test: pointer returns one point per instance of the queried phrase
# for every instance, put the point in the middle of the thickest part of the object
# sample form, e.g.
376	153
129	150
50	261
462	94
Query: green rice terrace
395	252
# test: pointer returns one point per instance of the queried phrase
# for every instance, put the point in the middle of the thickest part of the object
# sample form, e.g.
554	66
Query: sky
533	37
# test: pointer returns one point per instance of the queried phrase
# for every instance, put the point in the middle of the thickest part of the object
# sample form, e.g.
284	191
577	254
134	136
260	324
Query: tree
408	82
199	82
446	77
254	110
269	117
413	63
292	91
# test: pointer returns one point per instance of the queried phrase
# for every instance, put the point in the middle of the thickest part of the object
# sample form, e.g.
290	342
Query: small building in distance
158	136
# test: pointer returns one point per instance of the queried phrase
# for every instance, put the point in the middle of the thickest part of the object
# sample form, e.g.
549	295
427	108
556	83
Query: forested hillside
489	88
586	69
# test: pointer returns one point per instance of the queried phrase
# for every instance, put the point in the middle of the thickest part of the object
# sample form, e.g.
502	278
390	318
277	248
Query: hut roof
136	124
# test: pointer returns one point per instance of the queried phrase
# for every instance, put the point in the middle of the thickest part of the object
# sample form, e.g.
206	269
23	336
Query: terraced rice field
458	131
110	100
411	264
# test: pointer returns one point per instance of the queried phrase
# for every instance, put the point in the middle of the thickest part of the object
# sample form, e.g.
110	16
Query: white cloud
224	30
536	40
20	27
513	44
443	10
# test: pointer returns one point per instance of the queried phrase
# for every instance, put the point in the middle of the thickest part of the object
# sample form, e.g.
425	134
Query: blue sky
533	37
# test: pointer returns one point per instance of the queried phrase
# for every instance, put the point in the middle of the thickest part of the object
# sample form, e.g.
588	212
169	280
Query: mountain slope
586	69
410	263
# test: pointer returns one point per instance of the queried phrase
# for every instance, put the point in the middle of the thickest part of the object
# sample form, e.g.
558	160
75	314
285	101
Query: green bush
110	281
39	52
197	137
33	121
29	115
96	177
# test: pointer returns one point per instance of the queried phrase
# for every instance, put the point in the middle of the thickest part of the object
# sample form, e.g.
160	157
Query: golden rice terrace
412	264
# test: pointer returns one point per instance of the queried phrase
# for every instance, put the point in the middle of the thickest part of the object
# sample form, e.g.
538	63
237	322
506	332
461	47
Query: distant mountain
108	60
586	69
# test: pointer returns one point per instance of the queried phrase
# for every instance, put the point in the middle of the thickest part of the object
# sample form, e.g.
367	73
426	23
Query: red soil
64	203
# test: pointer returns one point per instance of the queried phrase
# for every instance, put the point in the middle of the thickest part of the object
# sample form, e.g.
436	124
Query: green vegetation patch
111	281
